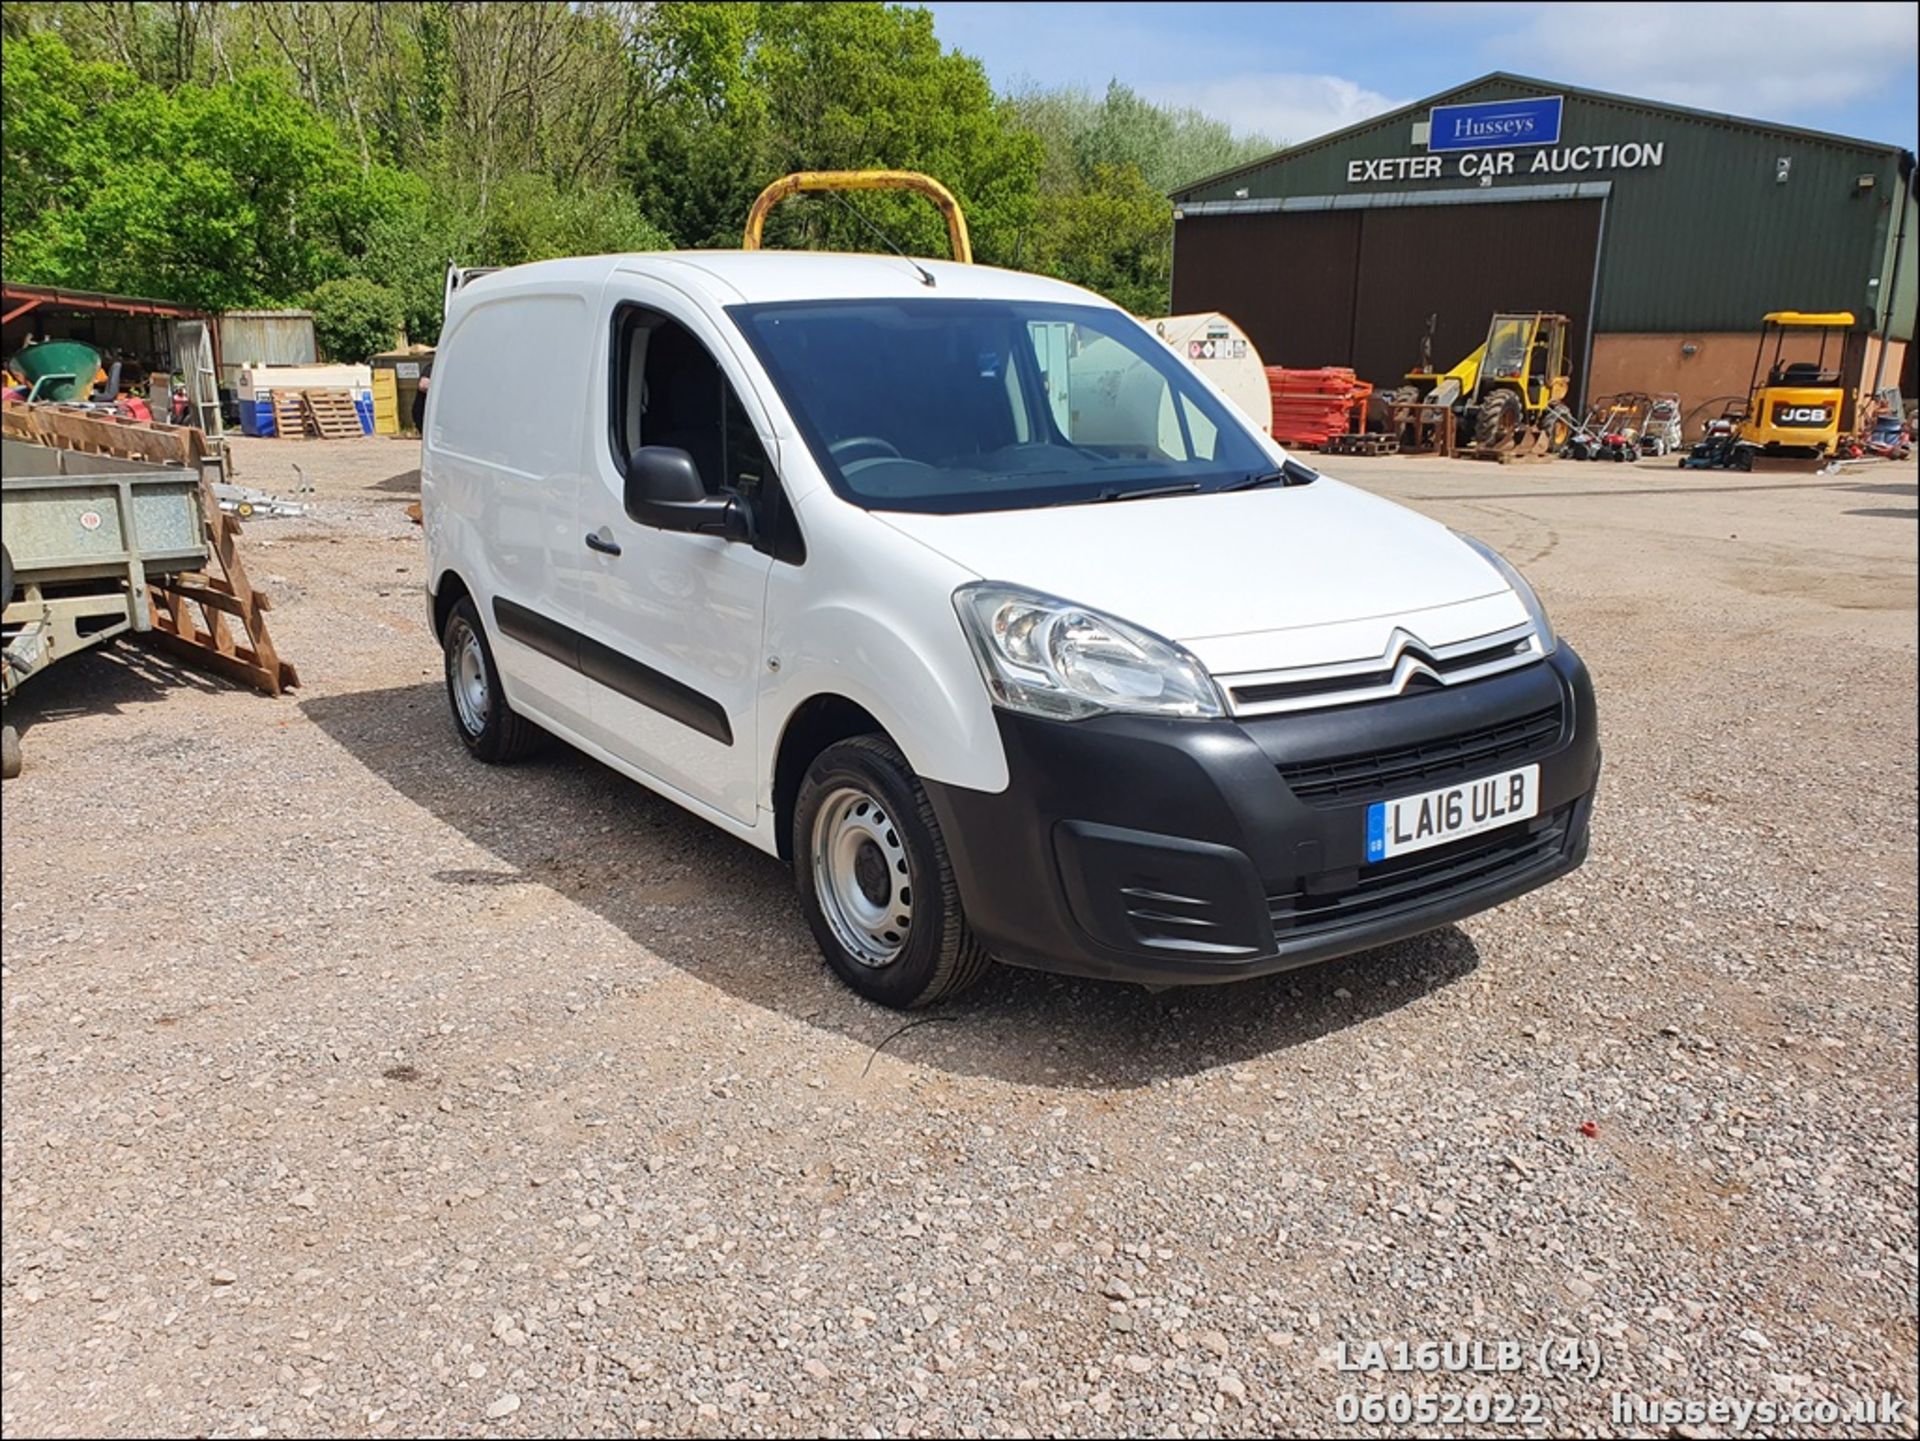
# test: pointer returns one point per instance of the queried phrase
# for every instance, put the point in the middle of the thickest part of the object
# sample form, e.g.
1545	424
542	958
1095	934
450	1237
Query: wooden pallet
1370	443
1516	456
289	415
219	593
99	432
331	414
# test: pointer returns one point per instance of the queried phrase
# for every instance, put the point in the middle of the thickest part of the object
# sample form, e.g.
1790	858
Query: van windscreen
926	404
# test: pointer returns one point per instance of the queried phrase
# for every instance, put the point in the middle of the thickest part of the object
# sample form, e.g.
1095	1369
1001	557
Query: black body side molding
613	669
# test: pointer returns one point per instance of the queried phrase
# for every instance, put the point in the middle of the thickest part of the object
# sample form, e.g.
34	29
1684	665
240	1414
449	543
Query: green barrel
73	358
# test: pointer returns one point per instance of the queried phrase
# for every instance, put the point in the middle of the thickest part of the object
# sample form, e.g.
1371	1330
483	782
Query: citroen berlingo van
962	593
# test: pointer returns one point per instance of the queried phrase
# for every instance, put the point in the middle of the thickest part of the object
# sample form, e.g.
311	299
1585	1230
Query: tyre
9	753
875	881
487	725
1499	419
6	577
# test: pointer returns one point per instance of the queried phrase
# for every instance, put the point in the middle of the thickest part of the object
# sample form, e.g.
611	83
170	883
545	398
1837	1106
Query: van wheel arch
447	593
818	722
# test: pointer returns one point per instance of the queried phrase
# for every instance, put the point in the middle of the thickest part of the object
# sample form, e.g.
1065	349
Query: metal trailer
84	535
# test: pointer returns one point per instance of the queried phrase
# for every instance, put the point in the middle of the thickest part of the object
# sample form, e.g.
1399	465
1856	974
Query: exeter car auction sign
1482	142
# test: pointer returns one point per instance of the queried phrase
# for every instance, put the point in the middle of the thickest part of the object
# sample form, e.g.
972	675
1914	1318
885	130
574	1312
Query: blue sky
1296	71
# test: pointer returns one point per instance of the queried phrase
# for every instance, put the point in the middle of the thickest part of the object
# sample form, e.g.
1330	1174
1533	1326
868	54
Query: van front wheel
875	880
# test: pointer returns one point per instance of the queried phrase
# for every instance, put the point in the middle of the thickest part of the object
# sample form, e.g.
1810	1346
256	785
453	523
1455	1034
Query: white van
960	591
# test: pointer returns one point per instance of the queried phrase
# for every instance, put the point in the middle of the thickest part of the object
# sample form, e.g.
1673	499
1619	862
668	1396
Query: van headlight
1050	657
1536	612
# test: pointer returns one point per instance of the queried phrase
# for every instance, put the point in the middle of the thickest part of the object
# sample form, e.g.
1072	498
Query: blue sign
1495	124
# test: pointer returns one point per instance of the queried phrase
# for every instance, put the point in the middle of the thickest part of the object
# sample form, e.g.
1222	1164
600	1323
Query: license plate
1432	818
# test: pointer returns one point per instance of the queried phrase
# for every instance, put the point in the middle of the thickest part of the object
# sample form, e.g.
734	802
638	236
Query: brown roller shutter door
1285	279
1355	287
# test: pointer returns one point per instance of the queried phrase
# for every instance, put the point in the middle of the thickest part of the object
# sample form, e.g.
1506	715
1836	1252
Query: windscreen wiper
1147	492
1291	472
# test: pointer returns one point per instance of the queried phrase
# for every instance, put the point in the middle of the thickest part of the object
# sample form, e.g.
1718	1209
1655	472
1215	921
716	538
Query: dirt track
353	1087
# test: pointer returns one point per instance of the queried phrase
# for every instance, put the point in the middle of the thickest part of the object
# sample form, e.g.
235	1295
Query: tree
1103	219
226	195
1168	146
1114	235
752	91
354	318
234	155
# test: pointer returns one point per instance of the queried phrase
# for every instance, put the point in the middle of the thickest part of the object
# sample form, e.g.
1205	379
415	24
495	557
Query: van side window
669	390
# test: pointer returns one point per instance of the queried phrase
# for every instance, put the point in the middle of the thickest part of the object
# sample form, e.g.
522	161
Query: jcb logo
1800	415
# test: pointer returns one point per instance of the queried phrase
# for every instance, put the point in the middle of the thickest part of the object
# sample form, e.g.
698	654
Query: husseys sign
1485	127
1482	142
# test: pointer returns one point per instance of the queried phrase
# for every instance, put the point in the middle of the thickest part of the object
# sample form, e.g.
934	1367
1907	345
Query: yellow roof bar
862	180
1797	317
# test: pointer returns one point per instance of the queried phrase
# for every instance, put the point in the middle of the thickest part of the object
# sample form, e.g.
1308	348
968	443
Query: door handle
601	541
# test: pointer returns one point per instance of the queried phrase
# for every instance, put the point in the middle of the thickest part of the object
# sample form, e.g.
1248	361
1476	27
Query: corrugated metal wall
265	337
1714	240
1708	240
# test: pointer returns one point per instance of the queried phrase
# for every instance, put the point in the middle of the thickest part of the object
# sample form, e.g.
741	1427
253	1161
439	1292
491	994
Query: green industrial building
1664	233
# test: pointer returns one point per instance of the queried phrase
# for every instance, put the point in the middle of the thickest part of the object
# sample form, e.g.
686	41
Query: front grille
1405	664
1410	882
1345	780
1438	670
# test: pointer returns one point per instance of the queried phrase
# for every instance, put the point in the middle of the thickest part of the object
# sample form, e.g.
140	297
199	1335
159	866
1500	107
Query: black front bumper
1173	852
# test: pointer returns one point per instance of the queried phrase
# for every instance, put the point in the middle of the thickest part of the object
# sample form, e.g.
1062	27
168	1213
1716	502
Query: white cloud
1765	60
1286	108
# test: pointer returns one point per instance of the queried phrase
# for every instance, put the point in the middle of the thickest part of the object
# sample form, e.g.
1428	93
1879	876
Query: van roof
734	277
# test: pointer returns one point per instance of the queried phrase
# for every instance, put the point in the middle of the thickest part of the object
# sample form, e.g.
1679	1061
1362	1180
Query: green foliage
1103	219
757	90
1113	234
354	318
243	155
225	195
528	217
1169	147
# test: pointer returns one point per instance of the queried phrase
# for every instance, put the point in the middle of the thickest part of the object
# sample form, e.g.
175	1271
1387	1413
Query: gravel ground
351	1087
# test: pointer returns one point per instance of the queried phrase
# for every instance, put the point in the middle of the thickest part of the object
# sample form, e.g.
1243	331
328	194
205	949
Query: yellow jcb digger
1795	410
1790	418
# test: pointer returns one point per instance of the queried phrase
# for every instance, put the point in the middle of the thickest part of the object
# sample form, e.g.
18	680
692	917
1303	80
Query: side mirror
664	491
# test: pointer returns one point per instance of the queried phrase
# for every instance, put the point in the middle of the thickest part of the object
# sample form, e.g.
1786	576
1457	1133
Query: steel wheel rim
861	877
469	679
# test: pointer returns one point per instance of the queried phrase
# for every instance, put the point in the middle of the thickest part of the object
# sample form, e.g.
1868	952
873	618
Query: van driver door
674	620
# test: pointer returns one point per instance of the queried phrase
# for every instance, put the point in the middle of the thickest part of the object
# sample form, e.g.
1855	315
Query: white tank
1220	350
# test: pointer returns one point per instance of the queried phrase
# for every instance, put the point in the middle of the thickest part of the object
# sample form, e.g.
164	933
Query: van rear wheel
488	726
875	880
